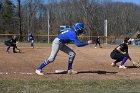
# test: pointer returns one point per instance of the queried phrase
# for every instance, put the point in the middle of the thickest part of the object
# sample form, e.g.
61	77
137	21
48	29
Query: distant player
120	53
59	43
31	39
98	42
12	43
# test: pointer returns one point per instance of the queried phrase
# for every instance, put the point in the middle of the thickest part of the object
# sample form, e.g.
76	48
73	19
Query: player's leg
7	50
32	43
7	44
124	59
14	48
95	45
71	54
55	48
116	56
120	57
115	62
100	45
18	49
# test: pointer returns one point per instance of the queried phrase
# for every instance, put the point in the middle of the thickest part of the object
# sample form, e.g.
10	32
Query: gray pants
56	46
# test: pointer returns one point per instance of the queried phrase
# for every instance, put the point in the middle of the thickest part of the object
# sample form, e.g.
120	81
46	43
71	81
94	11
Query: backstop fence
44	38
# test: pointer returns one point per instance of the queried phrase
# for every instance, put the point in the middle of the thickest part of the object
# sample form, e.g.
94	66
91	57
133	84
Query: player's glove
137	64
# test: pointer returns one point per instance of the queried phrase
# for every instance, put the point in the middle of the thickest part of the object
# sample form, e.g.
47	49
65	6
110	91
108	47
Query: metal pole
19	14
105	29
48	27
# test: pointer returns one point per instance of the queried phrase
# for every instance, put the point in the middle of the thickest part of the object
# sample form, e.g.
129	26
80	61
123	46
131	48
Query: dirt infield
90	63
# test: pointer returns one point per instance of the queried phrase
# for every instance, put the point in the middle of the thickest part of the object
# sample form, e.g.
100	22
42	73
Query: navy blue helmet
78	27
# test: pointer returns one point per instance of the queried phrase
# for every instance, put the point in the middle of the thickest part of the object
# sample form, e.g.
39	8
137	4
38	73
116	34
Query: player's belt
61	41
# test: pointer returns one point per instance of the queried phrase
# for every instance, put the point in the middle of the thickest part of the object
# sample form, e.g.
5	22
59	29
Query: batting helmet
78	27
30	33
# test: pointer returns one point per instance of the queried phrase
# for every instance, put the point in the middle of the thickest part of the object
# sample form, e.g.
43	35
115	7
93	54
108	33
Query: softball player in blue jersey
31	39
120	53
59	43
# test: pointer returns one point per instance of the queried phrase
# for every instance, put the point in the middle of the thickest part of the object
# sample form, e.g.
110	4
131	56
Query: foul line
121	73
11	73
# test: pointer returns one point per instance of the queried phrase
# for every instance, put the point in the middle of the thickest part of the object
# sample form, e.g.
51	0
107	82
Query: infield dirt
90	63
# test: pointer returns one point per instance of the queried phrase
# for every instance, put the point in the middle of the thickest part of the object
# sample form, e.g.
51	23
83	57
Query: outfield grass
70	86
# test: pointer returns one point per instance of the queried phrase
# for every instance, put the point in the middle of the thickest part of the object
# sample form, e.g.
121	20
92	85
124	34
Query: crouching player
12	43
59	43
120	53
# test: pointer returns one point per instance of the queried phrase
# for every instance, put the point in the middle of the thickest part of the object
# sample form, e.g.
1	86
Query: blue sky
130	1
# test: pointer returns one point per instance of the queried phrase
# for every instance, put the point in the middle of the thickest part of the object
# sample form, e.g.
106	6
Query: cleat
122	67
113	65
72	72
39	72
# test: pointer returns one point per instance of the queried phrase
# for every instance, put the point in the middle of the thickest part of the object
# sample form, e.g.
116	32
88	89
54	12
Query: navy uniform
97	42
120	53
12	43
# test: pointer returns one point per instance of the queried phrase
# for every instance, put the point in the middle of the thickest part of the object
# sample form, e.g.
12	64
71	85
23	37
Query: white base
60	71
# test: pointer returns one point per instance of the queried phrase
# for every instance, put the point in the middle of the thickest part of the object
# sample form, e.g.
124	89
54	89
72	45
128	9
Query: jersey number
64	32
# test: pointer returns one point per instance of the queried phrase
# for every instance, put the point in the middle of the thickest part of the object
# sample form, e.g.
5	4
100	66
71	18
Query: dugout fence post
48	27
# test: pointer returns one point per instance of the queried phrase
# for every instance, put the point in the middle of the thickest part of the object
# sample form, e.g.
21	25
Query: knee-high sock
124	60
70	65
46	62
70	62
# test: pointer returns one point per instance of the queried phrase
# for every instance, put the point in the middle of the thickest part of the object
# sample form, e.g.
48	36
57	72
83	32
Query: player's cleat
39	72
14	51
122	67
72	72
113	65
7	52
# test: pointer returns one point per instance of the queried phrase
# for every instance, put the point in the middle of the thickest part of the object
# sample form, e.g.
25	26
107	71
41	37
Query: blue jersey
68	36
30	37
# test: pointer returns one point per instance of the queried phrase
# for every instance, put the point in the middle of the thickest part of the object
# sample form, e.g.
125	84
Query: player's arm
80	44
128	56
119	49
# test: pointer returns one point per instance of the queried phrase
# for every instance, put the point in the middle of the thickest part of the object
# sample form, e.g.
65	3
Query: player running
120	53
59	43
31	39
98	42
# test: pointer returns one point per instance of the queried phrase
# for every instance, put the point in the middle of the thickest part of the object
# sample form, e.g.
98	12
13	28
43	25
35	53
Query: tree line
20	17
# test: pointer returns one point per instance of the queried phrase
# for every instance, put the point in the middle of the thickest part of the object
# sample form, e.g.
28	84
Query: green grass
70	86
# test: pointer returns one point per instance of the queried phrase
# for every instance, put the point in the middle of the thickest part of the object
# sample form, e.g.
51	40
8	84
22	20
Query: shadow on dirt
98	72
83	72
131	67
